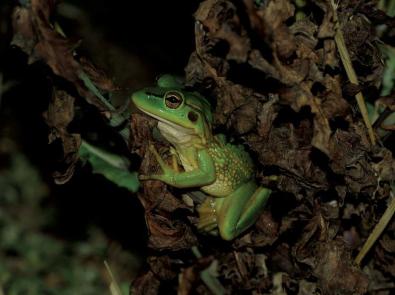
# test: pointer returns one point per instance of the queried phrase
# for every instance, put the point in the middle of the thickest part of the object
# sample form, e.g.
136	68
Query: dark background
133	41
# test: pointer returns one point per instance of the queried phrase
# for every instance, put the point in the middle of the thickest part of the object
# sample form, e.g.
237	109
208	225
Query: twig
377	231
116	119
346	60
114	287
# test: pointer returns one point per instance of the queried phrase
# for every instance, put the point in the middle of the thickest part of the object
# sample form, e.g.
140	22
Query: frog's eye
173	99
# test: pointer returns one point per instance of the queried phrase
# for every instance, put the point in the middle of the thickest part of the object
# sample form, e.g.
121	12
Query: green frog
223	171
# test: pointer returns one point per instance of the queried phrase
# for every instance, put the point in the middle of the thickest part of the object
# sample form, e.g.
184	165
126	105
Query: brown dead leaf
233	97
349	158
335	271
274	16
219	19
165	232
59	115
141	133
385	168
386	102
257	61
266	230
303	251
162	267
190	277
23	32
145	284
97	76
37	37
282	260
285	149
168	234
266	117
307	288
244	118
327	27
305	31
330	54
244	269
360	38
385	253
322	131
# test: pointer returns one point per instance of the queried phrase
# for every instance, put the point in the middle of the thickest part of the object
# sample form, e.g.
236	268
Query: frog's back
233	167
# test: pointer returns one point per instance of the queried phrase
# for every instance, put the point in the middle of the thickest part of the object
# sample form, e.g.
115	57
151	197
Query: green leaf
388	6
117	118
389	69
209	277
111	166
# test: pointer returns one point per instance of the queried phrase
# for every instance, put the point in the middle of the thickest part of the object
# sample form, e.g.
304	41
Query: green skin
221	170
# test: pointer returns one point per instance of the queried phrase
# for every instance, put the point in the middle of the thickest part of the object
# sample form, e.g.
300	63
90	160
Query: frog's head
183	115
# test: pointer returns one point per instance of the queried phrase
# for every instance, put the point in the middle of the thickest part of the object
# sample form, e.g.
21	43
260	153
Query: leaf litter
274	75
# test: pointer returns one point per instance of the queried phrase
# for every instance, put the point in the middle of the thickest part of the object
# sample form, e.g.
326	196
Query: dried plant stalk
114	287
352	76
377	231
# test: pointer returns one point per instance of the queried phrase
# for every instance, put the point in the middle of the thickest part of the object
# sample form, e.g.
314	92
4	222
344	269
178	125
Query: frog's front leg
238	211
174	159
203	175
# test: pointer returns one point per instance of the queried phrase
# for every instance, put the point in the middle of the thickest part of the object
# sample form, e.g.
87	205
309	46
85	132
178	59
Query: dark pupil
173	99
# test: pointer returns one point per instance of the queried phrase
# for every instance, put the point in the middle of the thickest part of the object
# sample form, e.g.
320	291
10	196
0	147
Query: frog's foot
165	168
167	171
207	217
241	209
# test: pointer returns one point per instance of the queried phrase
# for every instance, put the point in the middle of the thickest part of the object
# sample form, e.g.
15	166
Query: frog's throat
178	136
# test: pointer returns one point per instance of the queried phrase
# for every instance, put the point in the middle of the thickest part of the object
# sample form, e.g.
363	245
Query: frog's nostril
192	116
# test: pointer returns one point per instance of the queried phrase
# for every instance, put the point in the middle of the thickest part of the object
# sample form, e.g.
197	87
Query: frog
223	171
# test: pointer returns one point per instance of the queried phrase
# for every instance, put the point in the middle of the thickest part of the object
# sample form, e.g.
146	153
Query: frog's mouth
174	133
169	123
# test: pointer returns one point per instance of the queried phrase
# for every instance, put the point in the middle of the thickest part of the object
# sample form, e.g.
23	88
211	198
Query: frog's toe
159	159
153	150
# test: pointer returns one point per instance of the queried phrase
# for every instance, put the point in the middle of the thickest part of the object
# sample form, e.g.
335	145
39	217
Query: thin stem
377	231
352	76
114	287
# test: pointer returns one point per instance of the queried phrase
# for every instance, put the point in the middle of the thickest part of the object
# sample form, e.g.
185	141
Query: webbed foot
168	172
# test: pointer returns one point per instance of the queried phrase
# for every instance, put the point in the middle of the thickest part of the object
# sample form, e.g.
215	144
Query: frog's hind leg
241	209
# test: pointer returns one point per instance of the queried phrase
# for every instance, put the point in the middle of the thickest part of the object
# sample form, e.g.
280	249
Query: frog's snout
138	98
